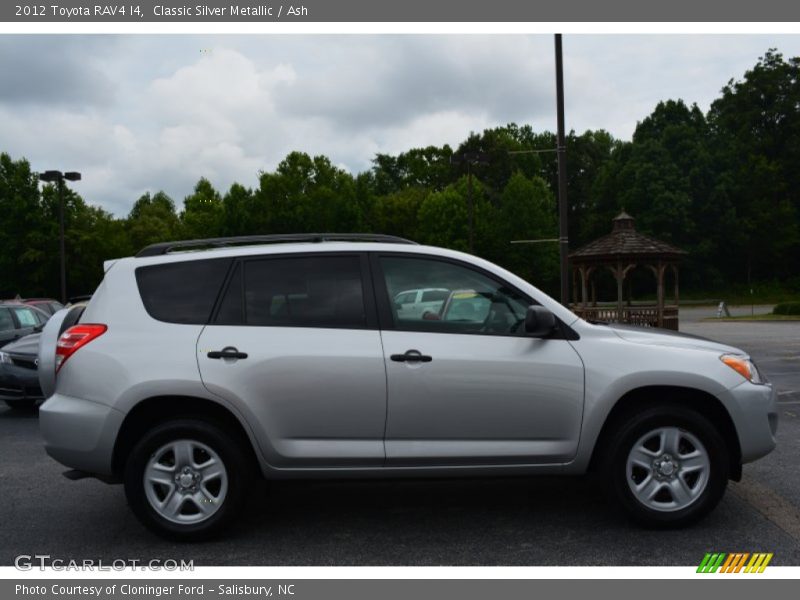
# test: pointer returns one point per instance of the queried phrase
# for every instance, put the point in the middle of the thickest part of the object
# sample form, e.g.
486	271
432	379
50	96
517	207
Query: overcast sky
142	112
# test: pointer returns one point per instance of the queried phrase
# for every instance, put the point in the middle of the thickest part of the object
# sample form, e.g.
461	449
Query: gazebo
620	252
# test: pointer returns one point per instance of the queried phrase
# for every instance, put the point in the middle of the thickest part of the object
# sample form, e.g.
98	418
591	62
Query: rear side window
26	317
182	292
304	291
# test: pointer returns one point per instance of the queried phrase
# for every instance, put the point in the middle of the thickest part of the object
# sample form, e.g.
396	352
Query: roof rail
167	247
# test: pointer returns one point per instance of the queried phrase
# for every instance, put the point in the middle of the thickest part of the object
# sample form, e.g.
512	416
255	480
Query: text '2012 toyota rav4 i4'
197	365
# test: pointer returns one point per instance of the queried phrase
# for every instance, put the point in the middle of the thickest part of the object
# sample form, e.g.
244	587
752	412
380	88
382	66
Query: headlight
744	366
5	358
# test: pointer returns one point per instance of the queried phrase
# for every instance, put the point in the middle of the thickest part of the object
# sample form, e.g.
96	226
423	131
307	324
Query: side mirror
539	321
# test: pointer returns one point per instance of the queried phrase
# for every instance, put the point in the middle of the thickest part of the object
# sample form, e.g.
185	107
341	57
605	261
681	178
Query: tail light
75	338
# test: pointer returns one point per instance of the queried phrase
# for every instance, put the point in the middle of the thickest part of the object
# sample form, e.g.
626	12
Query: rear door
295	341
27	319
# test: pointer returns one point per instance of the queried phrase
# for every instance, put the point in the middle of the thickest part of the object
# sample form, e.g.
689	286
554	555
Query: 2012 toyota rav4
197	365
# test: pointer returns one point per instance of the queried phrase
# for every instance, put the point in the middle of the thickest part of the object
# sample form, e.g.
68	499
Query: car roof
18	304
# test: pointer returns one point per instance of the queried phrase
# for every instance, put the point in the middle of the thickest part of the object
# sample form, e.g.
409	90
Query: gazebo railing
644	316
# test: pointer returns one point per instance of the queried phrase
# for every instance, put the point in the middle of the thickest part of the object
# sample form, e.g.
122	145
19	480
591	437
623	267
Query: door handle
411	356
227	352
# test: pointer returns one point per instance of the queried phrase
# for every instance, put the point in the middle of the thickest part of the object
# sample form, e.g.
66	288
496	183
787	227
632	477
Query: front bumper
19	383
80	433
753	408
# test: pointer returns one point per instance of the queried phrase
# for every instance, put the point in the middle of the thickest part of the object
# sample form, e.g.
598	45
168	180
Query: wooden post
619	275
675	274
660	294
583	286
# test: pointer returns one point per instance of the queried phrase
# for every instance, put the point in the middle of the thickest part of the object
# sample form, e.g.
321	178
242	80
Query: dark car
18	320
19	375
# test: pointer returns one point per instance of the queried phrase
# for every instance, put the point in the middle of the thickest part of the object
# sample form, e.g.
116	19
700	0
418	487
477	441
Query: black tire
234	458
27	405
632	429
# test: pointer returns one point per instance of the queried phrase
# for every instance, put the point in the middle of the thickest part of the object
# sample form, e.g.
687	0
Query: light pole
470	158
58	178
561	149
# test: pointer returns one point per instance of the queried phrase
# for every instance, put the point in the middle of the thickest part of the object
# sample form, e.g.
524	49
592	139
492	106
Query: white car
414	304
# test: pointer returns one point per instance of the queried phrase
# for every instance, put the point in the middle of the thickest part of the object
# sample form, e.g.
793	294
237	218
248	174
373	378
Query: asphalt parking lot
546	521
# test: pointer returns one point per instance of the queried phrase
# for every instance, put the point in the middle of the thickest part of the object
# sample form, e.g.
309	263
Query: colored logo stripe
734	562
758	563
711	562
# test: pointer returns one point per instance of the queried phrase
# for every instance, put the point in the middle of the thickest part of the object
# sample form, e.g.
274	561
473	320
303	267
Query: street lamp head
50	176
72	176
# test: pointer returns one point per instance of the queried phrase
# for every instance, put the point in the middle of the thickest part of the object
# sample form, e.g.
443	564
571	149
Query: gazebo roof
625	242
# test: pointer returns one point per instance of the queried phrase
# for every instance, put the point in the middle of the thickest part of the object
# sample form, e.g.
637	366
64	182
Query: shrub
787	308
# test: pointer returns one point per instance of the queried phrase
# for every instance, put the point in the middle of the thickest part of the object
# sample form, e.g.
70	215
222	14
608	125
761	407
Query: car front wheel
667	466
185	479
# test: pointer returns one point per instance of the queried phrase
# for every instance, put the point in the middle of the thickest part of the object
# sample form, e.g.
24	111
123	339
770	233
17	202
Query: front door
465	385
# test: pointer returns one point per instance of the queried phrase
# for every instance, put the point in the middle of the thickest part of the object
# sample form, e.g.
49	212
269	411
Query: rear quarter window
182	292
26	317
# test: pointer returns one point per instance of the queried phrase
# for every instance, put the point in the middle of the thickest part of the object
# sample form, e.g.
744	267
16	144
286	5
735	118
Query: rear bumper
754	411
79	433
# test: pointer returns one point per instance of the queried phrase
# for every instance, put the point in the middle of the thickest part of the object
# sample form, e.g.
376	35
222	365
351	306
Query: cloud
365	85
36	71
144	112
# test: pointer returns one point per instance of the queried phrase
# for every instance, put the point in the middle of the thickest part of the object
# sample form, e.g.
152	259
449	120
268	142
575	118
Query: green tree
24	244
307	194
236	205
203	212
397	213
755	131
152	219
528	212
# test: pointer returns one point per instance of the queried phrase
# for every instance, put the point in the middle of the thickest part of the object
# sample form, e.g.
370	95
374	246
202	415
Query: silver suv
198	364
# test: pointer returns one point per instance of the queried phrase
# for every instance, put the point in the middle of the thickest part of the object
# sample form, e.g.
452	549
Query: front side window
456	298
6	322
300	291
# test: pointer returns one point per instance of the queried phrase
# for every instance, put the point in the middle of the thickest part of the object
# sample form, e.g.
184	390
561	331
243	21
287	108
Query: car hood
665	337
24	345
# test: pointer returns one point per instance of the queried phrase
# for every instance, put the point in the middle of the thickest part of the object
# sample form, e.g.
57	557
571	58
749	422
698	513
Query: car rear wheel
667	466
185	479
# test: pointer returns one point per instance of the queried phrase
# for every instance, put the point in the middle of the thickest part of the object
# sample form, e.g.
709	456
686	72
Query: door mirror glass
539	322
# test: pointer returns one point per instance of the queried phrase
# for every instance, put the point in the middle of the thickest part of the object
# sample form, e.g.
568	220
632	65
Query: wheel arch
158	409
694	399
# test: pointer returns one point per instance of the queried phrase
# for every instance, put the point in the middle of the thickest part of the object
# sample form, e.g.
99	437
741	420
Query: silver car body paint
329	402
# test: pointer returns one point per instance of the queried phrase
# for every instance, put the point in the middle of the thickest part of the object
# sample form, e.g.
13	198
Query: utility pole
561	149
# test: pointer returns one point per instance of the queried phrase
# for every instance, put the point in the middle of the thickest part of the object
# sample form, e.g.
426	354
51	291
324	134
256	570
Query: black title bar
465	11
